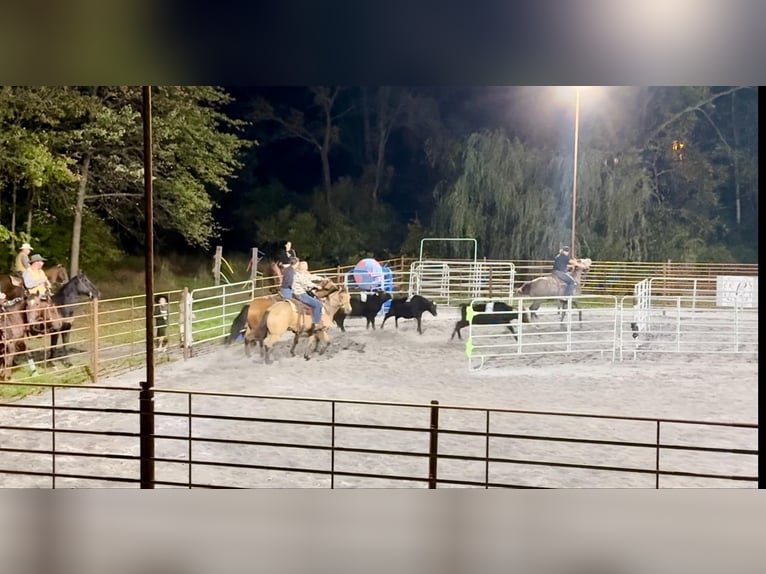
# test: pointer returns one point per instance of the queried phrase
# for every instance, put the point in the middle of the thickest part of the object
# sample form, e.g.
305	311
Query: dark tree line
349	172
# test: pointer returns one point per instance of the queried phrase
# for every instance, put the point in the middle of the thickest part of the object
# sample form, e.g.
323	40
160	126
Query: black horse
53	316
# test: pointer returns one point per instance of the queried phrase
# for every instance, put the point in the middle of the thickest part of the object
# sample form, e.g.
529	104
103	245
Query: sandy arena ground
400	365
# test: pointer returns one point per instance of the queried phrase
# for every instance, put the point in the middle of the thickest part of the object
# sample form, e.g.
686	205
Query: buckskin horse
257	308
293	316
553	287
54	315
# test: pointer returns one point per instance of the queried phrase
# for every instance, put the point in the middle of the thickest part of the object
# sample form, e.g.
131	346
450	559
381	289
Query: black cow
368	308
412	309
502	314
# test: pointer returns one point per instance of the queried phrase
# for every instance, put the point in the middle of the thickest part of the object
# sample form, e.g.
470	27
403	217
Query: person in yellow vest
22	259
34	277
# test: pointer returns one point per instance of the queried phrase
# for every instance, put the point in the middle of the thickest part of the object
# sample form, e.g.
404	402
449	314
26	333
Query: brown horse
57	275
288	316
8	282
13	331
551	286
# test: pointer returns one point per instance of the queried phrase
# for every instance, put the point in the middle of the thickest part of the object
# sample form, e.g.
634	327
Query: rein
11	302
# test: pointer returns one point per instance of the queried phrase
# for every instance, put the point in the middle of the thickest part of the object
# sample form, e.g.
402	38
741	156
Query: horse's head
586	263
344	299
36	308
85	286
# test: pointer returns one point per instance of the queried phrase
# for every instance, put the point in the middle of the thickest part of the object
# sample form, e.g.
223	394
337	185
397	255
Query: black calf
368	308
495	318
412	309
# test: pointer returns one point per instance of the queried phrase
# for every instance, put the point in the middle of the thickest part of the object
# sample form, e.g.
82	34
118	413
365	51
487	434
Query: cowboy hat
26	246
36	257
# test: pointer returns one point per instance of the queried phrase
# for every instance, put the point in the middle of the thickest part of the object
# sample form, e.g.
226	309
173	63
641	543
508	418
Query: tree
29	162
319	129
195	149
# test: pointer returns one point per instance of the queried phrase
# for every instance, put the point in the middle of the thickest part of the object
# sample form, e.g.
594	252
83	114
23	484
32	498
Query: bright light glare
566	94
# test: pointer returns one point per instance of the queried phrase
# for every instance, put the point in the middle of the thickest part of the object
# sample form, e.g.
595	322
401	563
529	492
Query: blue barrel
388	285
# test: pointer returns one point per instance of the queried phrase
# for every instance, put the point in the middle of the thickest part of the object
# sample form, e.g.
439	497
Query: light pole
574	170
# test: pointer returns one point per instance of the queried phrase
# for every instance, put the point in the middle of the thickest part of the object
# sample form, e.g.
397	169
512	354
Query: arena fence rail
88	438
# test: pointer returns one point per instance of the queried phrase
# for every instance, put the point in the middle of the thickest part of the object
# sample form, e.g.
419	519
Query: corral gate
457	281
448	281
642	296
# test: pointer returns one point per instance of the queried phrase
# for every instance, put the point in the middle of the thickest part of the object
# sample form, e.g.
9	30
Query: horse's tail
524	288
238	326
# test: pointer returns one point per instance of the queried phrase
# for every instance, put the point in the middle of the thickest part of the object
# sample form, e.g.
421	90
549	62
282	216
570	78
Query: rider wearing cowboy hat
22	259
34	277
561	265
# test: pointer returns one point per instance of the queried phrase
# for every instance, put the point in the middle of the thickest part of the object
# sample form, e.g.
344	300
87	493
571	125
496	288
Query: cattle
502	314
368	308
412	309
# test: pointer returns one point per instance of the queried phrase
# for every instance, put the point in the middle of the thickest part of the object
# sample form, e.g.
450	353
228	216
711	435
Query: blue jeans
567	278
286	293
316	304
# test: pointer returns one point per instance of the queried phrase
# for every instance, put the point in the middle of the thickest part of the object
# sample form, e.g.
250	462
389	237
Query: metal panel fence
607	329
108	336
236	440
450	281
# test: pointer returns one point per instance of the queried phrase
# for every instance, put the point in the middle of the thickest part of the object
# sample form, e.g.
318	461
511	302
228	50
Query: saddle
304	311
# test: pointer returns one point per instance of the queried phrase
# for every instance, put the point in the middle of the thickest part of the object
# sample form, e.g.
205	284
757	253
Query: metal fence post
146	434
433	447
657	459
254	265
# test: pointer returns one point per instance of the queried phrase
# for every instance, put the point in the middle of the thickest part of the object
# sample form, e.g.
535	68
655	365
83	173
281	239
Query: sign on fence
736	291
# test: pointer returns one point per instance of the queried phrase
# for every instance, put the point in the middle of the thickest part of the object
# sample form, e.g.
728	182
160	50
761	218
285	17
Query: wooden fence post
94	341
182	323
217	265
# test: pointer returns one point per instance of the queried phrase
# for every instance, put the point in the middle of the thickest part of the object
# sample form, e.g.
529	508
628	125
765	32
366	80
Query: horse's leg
326	338
64	332
268	343
533	310
309	348
249	340
20	349
419	329
54	340
295	342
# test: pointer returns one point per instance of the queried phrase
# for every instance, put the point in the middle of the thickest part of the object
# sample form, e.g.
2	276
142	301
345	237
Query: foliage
74	156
